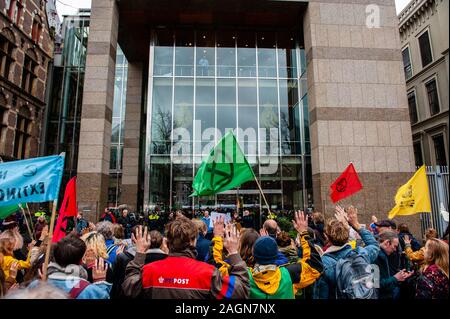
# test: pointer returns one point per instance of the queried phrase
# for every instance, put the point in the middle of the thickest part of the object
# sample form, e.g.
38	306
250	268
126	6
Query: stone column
132	135
357	103
96	116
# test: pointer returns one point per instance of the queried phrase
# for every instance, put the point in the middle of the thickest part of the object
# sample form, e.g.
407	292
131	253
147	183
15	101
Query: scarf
70	272
267	278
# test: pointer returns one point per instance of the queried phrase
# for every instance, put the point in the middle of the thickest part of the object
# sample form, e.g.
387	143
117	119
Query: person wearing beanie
269	281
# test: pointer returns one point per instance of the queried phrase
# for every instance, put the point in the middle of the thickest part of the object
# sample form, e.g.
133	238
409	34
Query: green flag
5	211
226	168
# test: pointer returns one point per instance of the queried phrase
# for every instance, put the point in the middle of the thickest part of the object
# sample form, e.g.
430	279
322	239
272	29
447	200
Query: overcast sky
66	7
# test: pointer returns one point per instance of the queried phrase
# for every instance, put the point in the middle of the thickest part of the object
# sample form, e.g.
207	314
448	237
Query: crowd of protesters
184	255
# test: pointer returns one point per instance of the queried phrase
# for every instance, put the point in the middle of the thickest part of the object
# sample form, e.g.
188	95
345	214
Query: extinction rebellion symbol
341	186
224	176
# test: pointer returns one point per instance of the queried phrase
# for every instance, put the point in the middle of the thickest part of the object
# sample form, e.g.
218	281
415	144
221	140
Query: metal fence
438	184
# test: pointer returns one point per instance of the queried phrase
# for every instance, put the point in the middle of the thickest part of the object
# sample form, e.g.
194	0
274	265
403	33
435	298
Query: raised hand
341	216
352	215
407	240
301	221
99	270
142	240
219	227
263	232
89	256
231	240
164	247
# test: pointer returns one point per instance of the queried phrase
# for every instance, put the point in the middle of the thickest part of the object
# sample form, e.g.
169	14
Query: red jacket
180	276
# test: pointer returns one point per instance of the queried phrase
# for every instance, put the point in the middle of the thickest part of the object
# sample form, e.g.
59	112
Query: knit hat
10	222
265	251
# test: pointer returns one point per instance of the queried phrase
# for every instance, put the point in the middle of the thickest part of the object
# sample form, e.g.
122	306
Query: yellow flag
413	197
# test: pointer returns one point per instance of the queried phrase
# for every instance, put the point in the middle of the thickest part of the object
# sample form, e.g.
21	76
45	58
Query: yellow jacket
217	256
9	260
309	274
415	256
311	268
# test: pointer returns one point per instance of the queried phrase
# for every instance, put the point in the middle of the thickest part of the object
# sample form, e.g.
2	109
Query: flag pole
50	237
262	193
29	213
26	222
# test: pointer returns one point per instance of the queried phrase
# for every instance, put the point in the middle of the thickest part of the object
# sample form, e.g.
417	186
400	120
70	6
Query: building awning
137	17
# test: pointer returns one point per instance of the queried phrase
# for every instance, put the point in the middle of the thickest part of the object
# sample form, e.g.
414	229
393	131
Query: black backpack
355	278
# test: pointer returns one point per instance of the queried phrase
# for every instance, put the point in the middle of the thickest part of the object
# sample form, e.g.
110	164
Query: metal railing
438	185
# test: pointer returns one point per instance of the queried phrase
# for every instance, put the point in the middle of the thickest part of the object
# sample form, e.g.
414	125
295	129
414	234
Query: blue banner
31	181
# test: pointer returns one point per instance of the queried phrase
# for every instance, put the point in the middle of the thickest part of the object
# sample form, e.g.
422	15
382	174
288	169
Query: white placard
214	216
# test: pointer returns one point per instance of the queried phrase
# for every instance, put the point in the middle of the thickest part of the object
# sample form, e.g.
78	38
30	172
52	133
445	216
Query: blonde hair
437	254
96	242
7	242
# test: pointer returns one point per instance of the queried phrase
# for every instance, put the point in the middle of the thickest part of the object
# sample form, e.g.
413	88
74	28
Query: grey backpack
355	278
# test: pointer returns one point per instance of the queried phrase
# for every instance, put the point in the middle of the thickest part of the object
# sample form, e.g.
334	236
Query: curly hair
337	233
95	241
283	239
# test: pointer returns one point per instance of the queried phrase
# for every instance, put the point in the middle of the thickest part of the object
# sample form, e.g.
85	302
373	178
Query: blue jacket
207	222
202	247
65	278
111	251
325	286
281	259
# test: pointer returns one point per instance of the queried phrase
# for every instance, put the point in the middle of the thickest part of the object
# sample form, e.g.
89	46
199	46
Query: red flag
68	209
347	184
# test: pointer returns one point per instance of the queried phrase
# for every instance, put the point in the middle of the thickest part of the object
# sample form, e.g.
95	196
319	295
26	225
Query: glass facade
203	83
64	114
118	129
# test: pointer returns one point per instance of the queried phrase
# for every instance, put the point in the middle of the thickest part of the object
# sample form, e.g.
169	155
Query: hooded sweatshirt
275	282
270	282
69	277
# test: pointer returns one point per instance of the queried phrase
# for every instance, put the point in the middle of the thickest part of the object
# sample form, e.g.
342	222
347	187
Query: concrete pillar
96	116
357	104
132	135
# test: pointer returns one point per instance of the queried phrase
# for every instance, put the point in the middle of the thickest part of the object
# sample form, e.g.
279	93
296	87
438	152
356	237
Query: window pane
246	54
412	107
226	105
184	53
267	59
205	53
163	53
204	108
433	97
184	105
287	60
226	54
407	63
248	112
418	154
425	49
162	110
439	149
